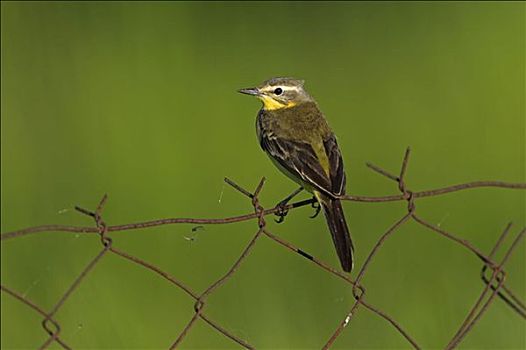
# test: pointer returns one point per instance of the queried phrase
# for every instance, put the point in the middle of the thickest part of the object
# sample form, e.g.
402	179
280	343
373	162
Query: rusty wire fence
493	274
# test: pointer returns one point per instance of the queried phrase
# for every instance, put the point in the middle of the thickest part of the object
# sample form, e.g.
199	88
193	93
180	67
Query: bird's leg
316	205
282	212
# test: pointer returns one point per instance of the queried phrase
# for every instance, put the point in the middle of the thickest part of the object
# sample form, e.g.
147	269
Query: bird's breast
304	122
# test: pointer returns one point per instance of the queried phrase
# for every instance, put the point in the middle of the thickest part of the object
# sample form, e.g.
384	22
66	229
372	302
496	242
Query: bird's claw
316	206
281	212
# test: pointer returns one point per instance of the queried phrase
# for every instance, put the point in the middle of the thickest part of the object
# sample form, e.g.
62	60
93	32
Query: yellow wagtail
295	135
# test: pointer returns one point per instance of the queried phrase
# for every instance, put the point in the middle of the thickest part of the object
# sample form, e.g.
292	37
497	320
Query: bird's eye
278	91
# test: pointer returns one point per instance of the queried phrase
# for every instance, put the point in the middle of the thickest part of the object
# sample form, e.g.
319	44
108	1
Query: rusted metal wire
54	333
494	285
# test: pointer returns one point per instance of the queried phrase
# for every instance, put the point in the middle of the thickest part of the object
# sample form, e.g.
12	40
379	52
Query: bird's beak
250	91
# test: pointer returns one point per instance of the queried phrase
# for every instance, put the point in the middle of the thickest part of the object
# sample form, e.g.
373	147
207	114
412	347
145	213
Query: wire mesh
492	273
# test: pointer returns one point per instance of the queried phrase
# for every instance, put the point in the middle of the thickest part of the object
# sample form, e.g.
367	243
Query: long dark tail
332	208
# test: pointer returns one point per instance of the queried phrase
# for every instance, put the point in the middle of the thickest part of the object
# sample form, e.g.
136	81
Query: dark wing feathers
336	165
299	159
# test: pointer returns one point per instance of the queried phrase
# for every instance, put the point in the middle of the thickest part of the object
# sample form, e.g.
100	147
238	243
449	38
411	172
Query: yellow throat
270	104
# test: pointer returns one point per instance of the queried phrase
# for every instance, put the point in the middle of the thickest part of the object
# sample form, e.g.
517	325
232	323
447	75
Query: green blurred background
138	100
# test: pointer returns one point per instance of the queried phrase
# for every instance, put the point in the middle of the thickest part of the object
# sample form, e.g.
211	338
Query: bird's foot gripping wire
281	207
281	212
317	208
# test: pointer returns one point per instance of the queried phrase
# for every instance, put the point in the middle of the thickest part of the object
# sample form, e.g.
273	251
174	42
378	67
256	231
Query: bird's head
278	93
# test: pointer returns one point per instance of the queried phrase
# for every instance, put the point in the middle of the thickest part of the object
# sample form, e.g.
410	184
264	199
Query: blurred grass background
139	100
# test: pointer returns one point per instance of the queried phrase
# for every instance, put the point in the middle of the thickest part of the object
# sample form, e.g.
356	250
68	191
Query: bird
294	133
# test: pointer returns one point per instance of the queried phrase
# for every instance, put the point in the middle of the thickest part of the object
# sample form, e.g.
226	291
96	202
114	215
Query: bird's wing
323	172
337	174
